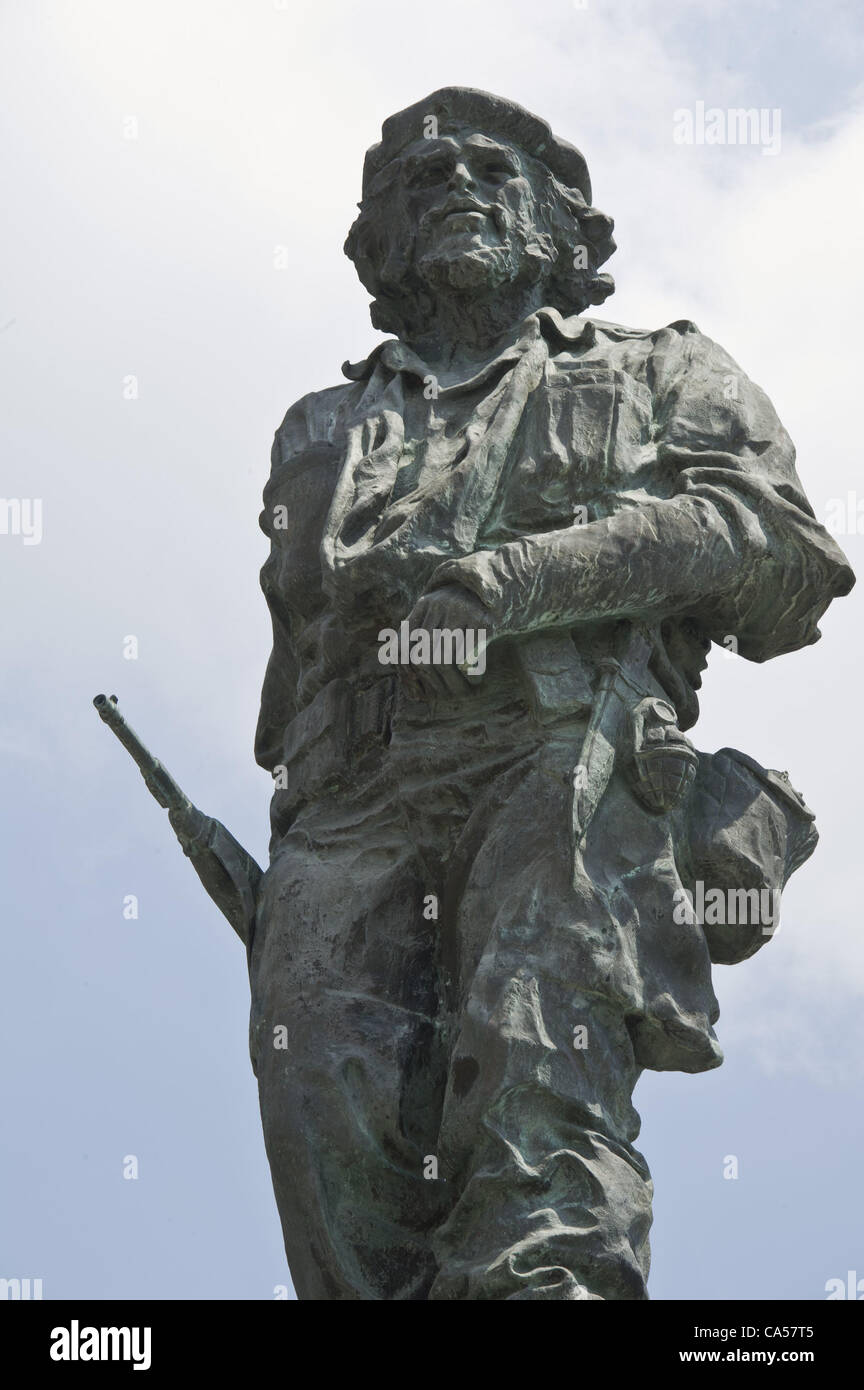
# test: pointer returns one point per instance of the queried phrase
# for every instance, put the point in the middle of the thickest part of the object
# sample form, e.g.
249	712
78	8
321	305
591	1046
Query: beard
466	262
420	274
470	267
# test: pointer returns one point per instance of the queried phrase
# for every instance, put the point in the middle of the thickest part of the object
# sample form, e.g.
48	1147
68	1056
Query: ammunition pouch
748	829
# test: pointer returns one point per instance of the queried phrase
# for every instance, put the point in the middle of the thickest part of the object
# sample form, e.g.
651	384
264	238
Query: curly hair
381	248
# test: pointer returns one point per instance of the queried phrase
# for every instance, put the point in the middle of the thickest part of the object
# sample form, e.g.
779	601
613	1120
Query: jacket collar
396	357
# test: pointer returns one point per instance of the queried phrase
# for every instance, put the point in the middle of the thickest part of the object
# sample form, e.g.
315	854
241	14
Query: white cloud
155	257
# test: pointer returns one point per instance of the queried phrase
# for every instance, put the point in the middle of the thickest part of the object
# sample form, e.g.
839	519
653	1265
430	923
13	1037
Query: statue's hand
457	658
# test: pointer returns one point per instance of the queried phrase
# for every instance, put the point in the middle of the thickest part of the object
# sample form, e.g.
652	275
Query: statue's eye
428	174
497	172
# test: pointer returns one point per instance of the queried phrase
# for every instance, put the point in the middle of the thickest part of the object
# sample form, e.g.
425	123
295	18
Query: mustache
461	203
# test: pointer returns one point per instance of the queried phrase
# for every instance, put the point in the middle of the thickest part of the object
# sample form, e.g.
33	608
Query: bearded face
470	220
473	208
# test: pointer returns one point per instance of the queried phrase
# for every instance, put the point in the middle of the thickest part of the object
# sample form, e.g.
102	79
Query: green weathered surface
469	941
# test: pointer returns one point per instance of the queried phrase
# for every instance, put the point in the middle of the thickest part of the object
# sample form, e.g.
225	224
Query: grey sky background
156	258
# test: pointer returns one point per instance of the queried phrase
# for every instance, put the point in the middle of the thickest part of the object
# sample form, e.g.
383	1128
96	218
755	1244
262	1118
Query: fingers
428	682
434	671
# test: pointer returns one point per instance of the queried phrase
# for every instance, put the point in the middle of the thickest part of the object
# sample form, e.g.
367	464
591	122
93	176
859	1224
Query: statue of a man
487	905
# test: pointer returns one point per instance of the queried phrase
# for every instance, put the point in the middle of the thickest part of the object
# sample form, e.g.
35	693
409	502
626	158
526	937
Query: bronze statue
479	922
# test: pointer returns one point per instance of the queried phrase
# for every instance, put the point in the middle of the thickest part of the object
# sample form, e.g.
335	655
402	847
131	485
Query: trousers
444	1057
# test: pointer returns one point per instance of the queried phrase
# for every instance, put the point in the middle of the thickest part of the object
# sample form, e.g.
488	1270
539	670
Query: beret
456	108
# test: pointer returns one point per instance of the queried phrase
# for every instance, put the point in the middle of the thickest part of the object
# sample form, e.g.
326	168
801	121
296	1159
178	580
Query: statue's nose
461	177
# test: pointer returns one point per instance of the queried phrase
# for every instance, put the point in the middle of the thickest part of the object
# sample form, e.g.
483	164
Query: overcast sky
158	160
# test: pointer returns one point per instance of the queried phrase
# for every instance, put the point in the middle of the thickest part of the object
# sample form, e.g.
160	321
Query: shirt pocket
603	418
588	436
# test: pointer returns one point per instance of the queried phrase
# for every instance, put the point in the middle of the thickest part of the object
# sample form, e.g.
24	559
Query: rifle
228	872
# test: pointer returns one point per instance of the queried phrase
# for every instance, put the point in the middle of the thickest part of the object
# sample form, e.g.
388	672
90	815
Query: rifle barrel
158	779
